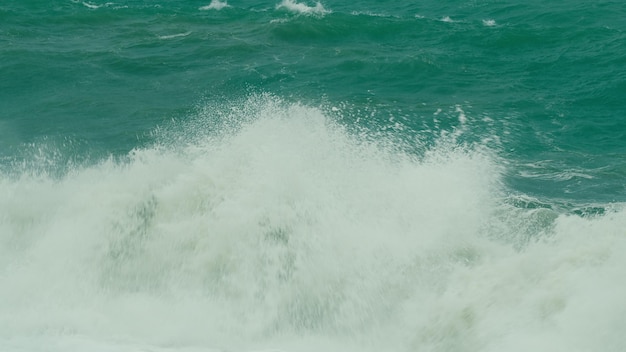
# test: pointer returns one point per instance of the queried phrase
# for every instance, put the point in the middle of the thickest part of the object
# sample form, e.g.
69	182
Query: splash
301	8
265	225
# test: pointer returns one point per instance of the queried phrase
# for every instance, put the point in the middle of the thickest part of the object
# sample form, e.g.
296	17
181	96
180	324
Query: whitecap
94	6
279	20
91	6
215	5
297	7
174	35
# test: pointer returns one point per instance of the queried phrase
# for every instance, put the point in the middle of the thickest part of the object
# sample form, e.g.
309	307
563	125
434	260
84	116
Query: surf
266	224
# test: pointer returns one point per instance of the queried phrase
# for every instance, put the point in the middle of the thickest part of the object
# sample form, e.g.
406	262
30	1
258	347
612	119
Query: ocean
291	175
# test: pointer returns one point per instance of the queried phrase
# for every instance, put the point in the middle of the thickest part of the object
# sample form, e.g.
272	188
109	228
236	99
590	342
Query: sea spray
279	226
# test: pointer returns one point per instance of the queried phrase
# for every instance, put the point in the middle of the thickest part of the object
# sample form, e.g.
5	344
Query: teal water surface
551	77
306	176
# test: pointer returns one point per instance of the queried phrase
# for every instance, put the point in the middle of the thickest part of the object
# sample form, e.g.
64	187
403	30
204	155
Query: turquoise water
367	175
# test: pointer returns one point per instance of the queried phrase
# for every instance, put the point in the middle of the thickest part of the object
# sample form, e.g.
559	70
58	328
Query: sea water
312	176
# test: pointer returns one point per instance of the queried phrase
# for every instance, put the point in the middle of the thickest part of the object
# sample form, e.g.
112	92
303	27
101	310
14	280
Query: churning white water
283	232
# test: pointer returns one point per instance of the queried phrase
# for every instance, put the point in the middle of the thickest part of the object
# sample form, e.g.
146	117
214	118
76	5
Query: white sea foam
372	14
489	23
302	8
279	20
177	35
462	116
94	6
215	5
268	226
91	6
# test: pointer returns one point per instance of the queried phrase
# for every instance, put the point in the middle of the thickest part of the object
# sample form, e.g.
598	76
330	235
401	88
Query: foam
215	5
94	6
302	8
265	225
90	5
171	36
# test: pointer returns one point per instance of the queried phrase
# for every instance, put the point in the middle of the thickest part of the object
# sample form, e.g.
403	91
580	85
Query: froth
302	8
267	224
215	5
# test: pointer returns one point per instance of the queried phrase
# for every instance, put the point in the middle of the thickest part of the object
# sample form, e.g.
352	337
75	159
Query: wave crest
215	5
302	8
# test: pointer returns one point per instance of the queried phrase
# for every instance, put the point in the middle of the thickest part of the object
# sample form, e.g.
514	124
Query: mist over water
280	229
